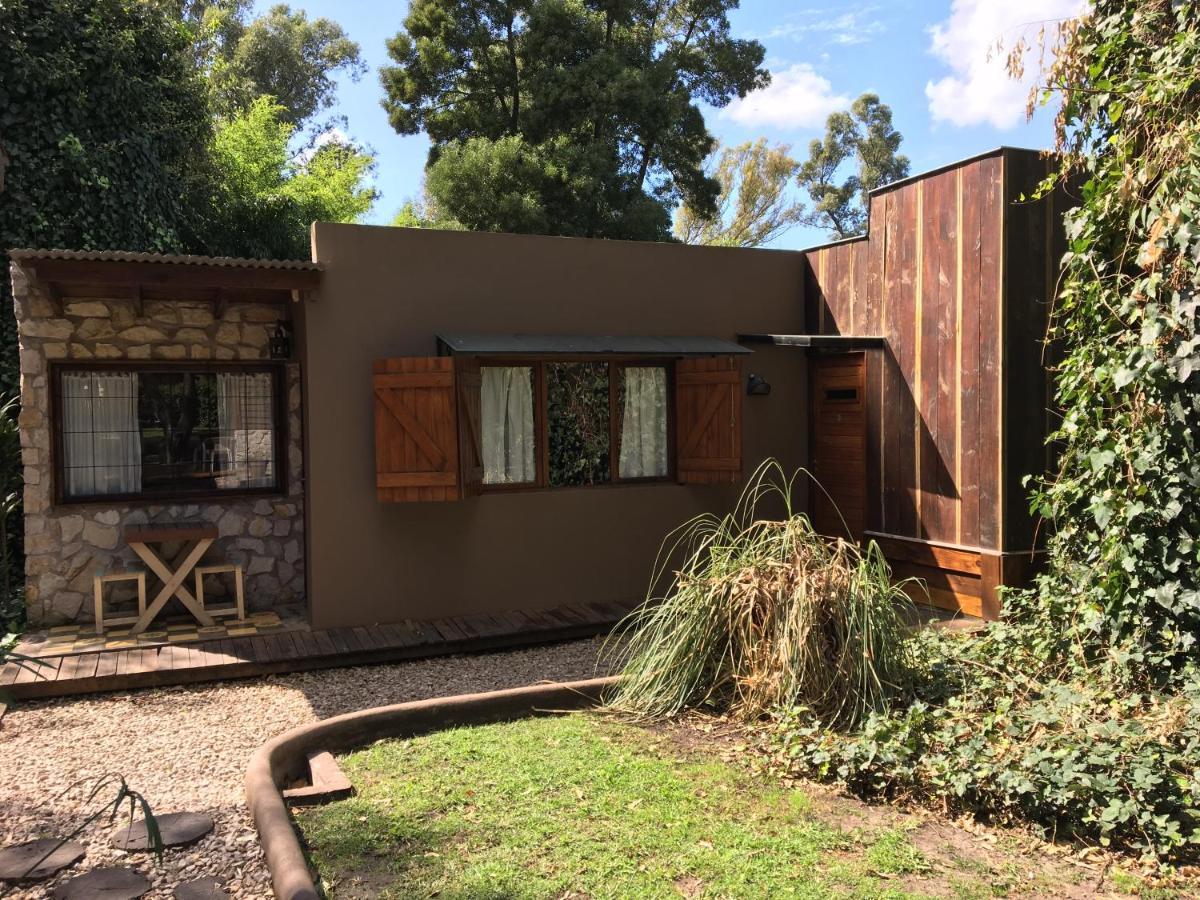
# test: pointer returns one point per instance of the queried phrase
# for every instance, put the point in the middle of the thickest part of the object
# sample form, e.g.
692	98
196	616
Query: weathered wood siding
955	273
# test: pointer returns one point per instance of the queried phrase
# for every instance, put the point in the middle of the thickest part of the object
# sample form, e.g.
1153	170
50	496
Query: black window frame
615	364
277	370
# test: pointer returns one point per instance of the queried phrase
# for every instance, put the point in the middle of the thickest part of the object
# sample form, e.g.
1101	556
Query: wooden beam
139	301
815	341
220	304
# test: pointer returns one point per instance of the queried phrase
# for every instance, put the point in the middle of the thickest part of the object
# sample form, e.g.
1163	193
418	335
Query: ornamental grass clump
765	613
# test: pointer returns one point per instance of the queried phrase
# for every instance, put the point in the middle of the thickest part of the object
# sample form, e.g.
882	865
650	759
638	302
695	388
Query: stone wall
65	545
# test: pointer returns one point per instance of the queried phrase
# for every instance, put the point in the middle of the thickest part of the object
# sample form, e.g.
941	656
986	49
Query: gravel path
187	748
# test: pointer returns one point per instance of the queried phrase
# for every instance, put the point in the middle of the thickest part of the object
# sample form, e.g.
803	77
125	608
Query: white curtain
245	447
644	423
102	446
507	419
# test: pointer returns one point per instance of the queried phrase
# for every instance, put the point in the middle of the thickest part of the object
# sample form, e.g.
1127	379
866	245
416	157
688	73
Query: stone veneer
66	545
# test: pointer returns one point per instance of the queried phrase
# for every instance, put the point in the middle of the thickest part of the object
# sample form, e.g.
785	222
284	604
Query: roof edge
33	254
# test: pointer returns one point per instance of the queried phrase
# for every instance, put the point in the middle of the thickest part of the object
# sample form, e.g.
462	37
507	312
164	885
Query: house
419	424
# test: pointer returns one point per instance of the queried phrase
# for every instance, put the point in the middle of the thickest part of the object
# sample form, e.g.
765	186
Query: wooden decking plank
237	649
9	673
264	650
426	632
47	670
520	621
341	644
569	614
70	665
448	629
171	658
350	639
468	626
106	666
506	623
324	643
26	672
287	646
86	667
366	638
306	644
390	636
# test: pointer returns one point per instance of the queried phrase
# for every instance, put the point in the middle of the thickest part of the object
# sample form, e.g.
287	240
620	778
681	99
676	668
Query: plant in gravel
762	613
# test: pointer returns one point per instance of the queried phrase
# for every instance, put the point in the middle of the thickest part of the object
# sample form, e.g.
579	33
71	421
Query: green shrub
765	612
1070	755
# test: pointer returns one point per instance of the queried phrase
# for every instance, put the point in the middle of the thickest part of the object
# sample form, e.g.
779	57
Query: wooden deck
298	650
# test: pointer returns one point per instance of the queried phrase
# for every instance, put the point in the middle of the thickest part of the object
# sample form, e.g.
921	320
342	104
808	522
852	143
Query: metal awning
816	341
584	345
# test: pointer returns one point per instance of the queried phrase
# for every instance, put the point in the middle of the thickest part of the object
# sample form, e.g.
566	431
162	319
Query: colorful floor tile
64	639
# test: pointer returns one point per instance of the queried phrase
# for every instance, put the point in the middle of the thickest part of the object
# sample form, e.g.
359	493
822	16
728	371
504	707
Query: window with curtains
159	432
574	423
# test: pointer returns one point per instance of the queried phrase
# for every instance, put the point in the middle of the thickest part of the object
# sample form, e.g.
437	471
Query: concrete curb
284	759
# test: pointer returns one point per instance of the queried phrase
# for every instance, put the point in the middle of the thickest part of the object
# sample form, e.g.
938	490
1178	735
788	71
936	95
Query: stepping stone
18	863
176	829
104	884
201	889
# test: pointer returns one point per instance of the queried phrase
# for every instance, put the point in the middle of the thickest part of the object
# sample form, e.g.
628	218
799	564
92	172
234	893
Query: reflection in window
577	409
166	432
506	410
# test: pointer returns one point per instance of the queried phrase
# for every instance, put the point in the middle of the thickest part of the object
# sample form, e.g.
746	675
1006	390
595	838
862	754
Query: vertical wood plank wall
955	274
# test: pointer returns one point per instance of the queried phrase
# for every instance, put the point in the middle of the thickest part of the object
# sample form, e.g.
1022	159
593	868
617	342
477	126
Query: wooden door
838	443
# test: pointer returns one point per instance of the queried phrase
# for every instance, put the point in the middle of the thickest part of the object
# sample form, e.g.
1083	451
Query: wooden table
198	537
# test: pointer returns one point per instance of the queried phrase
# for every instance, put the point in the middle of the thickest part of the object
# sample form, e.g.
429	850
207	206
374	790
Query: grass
764	613
584	806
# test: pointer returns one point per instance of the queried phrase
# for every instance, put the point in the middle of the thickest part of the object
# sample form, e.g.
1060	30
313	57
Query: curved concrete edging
283	759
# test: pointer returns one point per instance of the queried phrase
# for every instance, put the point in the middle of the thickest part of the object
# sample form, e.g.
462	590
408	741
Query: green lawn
582	806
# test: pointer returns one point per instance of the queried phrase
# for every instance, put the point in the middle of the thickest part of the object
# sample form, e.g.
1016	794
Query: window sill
221	498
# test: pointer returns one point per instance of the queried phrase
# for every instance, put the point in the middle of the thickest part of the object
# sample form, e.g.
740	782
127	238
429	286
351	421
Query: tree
104	122
262	198
864	136
567	117
754	205
281	54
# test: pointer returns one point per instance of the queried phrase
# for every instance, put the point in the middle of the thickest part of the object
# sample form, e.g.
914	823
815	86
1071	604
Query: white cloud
979	89
797	97
837	27
332	135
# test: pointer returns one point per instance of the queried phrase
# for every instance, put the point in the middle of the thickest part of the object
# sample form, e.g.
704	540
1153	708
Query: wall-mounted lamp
280	343
758	386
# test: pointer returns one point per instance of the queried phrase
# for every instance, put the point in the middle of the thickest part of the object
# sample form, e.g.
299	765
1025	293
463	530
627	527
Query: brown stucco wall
388	291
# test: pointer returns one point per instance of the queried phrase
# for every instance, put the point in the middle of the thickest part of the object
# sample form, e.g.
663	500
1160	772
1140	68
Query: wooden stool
239	609
102	579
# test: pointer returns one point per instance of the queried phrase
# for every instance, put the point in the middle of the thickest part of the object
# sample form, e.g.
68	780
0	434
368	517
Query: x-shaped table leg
172	583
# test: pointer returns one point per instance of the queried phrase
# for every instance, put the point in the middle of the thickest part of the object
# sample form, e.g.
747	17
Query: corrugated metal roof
587	345
229	262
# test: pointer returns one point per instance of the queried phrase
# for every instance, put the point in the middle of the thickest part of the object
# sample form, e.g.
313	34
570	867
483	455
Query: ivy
1081	710
1124	505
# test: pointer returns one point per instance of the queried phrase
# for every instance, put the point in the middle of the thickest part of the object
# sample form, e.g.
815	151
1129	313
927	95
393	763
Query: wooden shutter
416	430
470	449
708	415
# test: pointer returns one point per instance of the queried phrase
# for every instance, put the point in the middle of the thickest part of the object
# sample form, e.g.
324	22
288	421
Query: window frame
278	372
615	364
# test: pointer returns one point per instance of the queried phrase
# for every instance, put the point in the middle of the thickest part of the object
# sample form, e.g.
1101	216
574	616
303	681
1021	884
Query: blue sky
927	59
